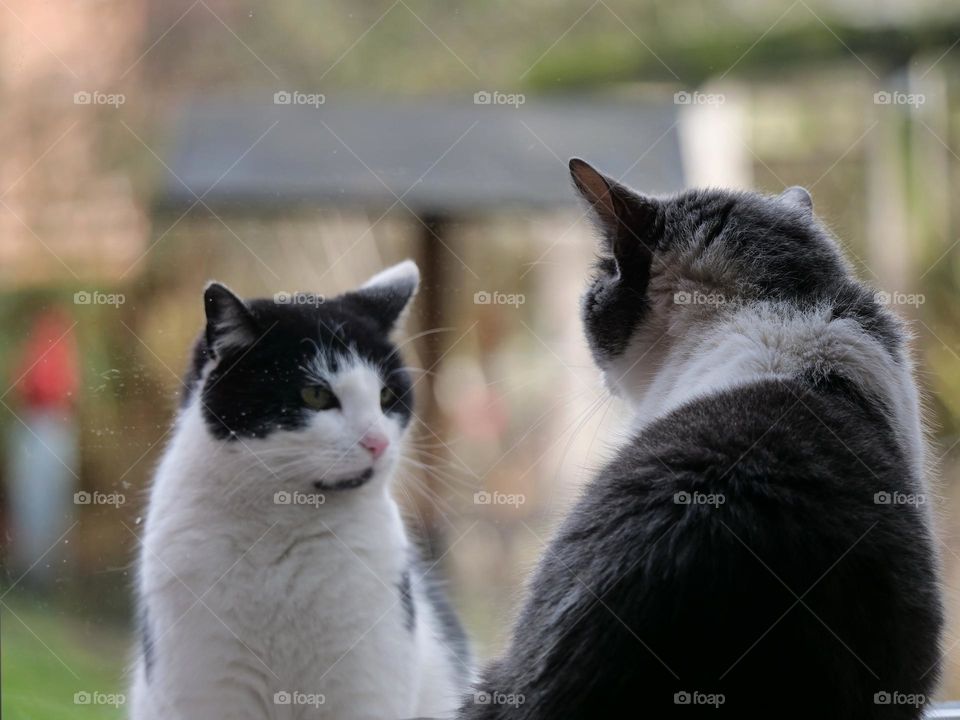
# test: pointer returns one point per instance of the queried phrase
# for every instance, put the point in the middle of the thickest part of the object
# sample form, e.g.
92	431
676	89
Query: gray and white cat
761	544
276	577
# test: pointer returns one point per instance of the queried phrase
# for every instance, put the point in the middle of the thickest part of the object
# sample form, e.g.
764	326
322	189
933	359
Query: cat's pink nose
375	443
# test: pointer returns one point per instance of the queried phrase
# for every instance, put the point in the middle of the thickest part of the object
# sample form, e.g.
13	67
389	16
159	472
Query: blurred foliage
41	677
435	46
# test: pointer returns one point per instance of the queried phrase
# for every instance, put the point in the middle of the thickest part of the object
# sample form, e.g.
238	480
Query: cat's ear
386	296
798	197
627	219
229	322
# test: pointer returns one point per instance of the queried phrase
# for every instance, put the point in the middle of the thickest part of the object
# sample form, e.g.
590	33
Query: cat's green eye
386	397
319	397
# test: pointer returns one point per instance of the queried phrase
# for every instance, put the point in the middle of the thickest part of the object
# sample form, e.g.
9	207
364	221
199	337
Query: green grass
48	655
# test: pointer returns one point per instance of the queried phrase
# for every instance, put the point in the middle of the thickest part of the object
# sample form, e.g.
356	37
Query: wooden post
435	285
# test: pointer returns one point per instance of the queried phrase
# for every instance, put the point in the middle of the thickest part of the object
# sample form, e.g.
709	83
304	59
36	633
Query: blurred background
149	146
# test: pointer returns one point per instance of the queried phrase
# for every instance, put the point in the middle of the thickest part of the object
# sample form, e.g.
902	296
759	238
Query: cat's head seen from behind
301	393
669	267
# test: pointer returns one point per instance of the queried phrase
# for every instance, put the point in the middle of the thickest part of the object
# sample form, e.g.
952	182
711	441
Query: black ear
229	322
798	197
386	295
629	221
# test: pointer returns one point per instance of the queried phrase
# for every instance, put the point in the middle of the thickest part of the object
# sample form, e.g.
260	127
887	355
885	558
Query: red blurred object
47	371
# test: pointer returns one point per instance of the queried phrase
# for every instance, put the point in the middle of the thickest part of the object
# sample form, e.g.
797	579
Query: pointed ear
798	197
627	220
229	322
386	296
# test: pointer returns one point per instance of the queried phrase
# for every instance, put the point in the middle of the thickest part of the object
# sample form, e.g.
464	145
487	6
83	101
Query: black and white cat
762	545
276	577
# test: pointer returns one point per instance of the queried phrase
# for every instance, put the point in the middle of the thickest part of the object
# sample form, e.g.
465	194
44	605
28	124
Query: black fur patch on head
261	347
613	308
630	226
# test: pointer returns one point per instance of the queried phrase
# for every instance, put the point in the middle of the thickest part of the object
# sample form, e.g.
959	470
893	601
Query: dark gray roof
440	155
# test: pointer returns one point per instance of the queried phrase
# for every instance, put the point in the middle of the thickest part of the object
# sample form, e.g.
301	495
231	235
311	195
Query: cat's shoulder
780	464
790	436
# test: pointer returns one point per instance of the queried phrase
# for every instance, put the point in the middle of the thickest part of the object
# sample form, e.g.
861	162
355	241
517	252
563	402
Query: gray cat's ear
798	197
627	219
386	296
229	322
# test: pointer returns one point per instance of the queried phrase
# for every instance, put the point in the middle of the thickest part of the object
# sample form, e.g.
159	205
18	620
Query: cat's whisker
451	484
578	423
411	506
412	482
410	369
443	453
423	333
586	417
439	503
